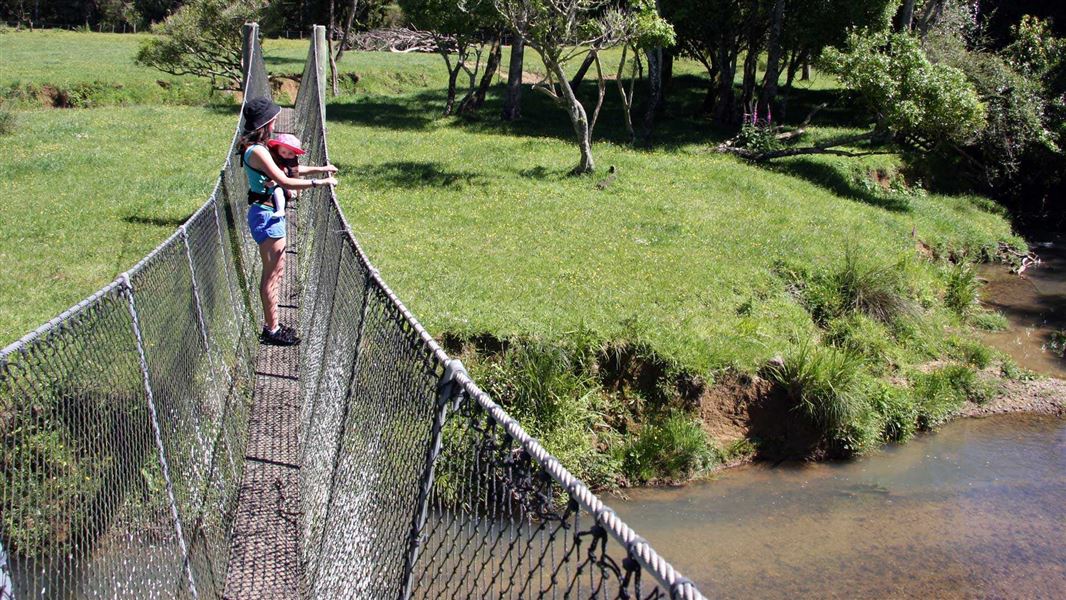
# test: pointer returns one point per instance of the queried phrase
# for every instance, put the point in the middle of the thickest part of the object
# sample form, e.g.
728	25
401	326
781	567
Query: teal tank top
256	178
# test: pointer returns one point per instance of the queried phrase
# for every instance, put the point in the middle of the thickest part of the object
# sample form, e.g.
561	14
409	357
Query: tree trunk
906	16
347	29
725	103
578	118
773	59
453	76
655	90
329	47
578	77
476	99
805	74
512	102
747	88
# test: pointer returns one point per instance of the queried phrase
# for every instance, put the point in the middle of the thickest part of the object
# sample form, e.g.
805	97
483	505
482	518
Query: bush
960	294
1057	343
1010	369
675	448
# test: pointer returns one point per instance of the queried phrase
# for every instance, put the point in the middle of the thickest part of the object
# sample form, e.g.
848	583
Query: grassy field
709	264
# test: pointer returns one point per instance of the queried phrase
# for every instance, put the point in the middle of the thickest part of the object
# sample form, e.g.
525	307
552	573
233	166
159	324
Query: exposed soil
285	87
52	97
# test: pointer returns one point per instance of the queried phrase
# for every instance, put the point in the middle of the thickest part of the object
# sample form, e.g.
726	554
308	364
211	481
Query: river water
976	510
1034	304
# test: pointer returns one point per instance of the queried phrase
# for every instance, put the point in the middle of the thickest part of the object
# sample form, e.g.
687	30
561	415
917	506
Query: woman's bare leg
272	251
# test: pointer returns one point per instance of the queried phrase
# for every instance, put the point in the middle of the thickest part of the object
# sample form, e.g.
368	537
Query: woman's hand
329	169
328	181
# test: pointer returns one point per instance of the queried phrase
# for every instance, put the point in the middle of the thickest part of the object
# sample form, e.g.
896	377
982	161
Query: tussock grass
672	448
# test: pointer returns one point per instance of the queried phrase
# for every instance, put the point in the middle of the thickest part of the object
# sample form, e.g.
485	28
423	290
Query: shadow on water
416	174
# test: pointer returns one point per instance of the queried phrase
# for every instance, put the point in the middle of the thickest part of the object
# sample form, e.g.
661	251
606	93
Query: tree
561	30
202	38
458	28
512	100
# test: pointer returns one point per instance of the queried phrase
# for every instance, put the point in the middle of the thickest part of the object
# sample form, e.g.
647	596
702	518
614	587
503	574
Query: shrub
1010	369
960	294
674	448
1057	343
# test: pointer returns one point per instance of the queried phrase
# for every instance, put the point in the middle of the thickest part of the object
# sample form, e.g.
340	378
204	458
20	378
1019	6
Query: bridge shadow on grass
836	180
414	175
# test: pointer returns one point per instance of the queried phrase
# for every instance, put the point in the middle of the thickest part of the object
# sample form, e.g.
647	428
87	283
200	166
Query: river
976	510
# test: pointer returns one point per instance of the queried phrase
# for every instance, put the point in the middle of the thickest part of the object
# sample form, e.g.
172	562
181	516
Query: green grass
88	193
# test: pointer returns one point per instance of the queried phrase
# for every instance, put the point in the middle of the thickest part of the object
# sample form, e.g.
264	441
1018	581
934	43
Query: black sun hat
258	112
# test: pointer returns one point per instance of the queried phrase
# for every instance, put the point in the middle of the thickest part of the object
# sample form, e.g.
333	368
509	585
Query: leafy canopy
202	38
909	94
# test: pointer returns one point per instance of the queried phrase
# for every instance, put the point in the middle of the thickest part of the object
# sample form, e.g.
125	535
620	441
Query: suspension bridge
151	448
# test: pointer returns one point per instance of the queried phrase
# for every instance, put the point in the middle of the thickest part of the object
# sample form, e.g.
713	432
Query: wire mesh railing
124	424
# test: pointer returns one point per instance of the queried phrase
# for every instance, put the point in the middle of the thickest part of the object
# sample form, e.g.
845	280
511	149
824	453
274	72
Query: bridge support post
321	60
249	33
446	394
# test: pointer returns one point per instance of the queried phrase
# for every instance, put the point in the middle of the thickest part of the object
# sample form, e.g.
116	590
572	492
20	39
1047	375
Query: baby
284	149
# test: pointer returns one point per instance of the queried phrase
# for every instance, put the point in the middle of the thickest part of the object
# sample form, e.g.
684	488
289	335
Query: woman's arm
261	159
308	170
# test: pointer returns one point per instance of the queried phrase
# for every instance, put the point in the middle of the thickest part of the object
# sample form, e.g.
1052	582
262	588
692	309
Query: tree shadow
836	181
170	222
413	175
283	60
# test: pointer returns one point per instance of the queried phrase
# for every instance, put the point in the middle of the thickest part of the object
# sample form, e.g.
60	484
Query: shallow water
976	510
1035	305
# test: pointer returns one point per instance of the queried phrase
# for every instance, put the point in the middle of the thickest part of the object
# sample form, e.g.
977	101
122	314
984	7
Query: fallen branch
400	40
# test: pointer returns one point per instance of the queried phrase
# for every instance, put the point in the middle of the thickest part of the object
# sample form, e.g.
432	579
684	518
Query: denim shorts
264	224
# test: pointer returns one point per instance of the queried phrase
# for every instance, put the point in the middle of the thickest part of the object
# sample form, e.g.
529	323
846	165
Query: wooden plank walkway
265	556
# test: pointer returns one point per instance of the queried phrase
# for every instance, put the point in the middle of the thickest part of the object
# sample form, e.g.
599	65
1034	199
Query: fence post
446	392
249	34
321	60
127	288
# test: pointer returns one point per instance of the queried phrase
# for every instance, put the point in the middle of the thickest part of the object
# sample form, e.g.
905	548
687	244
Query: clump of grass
824	384
939	393
1011	370
970	352
543	387
1057	343
897	410
738	450
960	294
860	334
7	122
857	286
674	448
989	321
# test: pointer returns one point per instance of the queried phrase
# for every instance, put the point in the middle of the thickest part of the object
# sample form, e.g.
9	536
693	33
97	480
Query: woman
268	230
